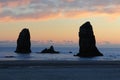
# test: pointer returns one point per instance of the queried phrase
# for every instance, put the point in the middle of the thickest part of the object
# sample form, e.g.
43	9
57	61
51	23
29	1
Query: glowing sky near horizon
59	20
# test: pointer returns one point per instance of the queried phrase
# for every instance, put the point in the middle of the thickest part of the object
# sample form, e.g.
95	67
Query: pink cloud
16	10
69	0
13	3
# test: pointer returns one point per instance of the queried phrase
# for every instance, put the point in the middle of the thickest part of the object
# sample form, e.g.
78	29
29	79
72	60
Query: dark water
7	53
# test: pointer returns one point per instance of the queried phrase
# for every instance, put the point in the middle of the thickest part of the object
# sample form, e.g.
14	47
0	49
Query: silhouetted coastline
87	43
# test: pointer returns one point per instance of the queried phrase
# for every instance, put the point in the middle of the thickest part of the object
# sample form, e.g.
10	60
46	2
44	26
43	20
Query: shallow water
7	53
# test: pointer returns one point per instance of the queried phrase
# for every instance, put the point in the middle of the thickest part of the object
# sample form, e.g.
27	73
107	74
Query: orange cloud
32	17
54	15
76	14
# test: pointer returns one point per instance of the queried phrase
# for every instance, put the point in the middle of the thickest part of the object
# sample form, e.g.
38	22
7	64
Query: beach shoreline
37	63
59	70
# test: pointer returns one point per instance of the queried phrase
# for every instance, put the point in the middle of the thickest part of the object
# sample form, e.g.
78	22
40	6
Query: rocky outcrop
23	42
87	42
49	50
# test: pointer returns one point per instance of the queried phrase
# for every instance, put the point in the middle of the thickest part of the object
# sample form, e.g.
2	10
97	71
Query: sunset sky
59	20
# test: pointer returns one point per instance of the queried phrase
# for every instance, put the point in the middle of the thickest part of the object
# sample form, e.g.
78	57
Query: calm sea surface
7	53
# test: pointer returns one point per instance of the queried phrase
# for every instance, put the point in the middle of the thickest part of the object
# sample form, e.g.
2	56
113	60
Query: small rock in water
49	50
70	52
9	56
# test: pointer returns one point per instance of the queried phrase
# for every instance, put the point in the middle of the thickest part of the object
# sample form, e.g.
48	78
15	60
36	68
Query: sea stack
49	50
23	42
87	42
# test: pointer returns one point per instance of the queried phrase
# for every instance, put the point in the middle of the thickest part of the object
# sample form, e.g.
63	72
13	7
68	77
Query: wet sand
59	70
57	63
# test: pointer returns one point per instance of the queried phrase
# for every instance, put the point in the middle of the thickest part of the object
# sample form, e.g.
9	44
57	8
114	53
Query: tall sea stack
23	42
87	42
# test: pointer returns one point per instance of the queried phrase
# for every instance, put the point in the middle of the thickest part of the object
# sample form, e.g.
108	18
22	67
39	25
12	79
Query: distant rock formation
9	56
49	50
87	42
23	42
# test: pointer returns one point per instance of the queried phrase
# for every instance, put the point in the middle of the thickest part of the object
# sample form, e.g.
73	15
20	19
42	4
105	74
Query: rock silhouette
49	50
23	42
87	42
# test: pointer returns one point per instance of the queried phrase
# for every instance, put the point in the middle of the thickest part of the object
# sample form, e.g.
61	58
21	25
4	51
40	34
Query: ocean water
7	53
